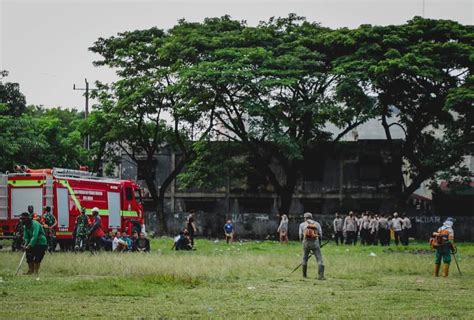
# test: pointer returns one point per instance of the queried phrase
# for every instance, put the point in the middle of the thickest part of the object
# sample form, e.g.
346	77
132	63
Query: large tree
274	89
422	75
145	108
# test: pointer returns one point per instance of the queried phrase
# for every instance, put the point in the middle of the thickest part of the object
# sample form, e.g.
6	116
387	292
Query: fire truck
67	191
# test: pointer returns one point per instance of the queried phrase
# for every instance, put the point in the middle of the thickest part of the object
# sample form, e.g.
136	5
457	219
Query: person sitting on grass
118	245
127	240
134	239
182	241
142	244
107	241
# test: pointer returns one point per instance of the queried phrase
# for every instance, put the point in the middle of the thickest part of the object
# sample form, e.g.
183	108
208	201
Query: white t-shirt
397	224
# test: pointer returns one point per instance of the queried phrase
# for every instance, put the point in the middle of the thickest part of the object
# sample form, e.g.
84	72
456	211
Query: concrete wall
264	225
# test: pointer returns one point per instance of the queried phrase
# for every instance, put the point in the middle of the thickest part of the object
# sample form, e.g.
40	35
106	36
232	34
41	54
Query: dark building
360	175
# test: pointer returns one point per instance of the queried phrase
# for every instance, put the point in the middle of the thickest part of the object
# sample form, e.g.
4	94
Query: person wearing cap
396	226
96	232
310	233
443	242
35	242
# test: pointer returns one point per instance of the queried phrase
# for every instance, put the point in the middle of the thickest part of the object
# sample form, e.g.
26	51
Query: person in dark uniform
191	227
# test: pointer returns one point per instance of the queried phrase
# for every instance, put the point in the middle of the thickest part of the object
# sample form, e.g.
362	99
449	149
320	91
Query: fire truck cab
67	191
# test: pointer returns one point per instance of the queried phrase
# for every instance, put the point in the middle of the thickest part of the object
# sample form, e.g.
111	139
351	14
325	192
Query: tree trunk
158	204
160	216
285	202
286	192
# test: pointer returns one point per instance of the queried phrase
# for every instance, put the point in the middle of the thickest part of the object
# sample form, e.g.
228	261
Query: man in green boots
443	242
35	242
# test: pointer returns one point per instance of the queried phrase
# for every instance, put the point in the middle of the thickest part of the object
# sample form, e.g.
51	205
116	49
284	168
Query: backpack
311	232
439	239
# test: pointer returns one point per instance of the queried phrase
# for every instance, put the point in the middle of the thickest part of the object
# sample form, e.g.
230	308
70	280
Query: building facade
360	175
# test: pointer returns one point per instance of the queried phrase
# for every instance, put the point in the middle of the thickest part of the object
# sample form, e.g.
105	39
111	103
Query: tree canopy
279	89
421	74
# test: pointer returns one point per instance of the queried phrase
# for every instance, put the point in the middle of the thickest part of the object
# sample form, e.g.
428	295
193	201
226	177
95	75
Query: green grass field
246	280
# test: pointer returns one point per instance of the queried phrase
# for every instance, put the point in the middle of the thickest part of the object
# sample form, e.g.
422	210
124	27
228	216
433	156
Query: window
128	193
142	170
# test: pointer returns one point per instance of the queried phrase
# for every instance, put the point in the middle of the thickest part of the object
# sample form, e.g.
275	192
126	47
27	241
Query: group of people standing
371	229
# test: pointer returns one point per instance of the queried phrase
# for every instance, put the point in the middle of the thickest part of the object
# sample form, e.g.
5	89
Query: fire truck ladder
48	192
3	196
61	172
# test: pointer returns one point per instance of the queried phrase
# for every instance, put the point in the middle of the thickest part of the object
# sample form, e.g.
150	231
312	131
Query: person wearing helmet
96	232
443	242
32	213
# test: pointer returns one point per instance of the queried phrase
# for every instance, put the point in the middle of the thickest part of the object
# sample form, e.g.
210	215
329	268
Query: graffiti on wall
428	219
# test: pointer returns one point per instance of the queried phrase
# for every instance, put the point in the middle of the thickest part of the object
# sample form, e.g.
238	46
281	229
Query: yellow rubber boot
436	270
445	270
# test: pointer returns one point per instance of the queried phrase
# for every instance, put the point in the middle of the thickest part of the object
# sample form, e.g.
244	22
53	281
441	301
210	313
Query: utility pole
86	89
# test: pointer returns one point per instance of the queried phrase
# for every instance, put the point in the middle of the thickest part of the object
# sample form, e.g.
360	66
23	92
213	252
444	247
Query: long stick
457	265
309	256
21	262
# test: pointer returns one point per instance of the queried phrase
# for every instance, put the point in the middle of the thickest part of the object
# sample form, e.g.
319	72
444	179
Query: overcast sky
44	44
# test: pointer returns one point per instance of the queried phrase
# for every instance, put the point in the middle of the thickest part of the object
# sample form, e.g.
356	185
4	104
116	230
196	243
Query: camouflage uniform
48	221
81	230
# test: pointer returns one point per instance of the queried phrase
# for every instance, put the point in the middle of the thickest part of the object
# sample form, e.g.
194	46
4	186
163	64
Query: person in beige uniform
310	233
406	226
350	228
337	226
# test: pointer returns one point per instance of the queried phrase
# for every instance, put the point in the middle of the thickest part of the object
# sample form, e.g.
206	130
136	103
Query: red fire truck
67	191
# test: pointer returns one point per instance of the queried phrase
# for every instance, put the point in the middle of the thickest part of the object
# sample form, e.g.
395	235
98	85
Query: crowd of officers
371	229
